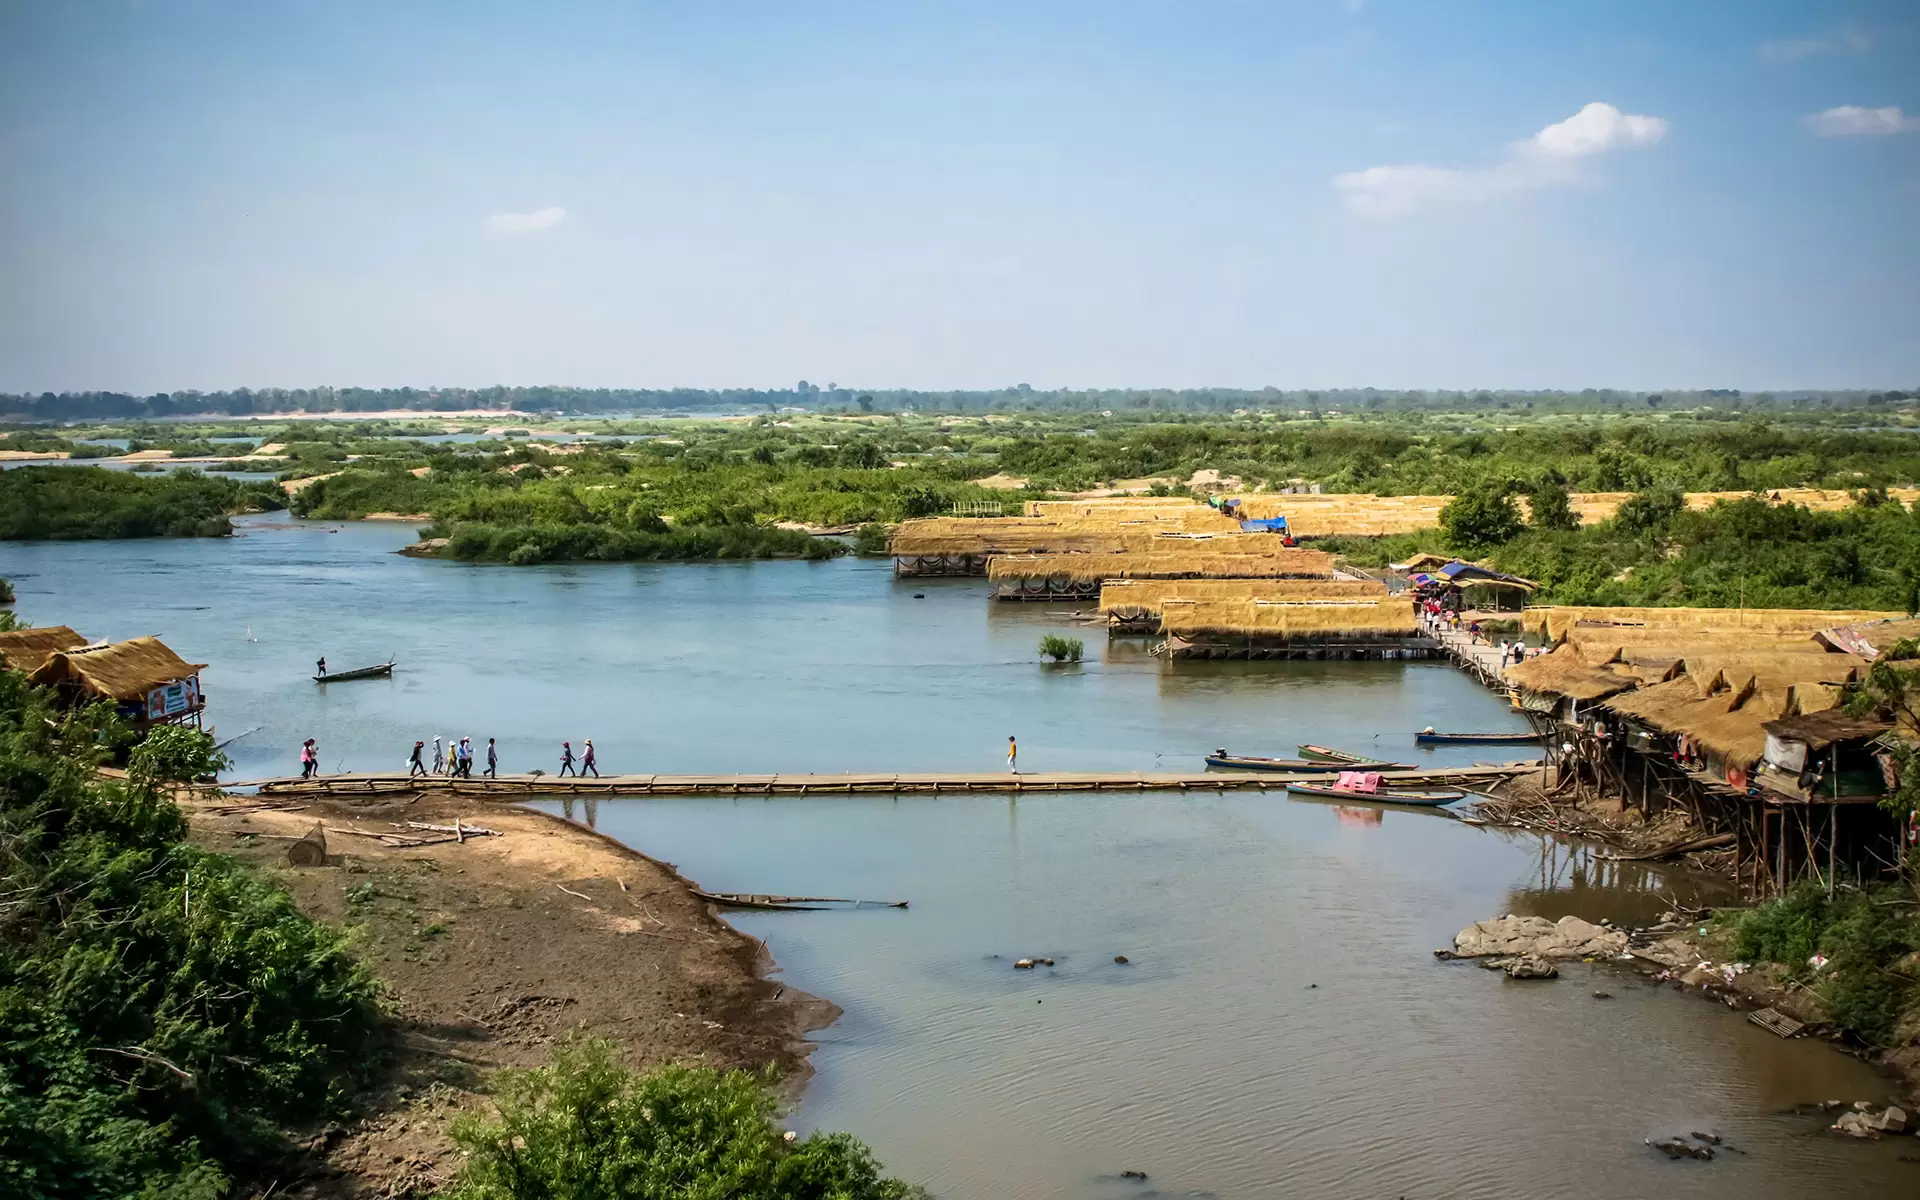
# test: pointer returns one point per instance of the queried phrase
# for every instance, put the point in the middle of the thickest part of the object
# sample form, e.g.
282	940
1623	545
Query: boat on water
1429	738
1329	754
1417	799
1255	762
377	671
762	901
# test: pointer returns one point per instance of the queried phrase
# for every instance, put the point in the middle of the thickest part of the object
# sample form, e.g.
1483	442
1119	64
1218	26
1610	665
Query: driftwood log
309	851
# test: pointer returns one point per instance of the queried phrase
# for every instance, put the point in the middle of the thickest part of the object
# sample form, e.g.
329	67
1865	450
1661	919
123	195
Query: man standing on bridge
493	763
414	765
1013	755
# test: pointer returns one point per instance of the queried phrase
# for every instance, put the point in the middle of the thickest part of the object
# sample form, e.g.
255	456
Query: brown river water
1282	1029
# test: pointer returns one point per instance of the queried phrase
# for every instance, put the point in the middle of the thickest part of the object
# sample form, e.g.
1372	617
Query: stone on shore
1514	937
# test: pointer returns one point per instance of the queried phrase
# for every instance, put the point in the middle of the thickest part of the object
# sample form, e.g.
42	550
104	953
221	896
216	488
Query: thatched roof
1107	535
119	670
1870	639
1145	597
1556	622
1562	673
1285	620
25	649
1730	722
1195	563
1115	505
1822	729
1358	514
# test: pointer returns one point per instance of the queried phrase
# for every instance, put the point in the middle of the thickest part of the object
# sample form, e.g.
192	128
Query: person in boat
1013	755
322	664
414	765
586	760
493	762
566	759
1429	729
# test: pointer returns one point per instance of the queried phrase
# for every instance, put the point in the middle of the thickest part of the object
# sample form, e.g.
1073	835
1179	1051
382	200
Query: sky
1108	193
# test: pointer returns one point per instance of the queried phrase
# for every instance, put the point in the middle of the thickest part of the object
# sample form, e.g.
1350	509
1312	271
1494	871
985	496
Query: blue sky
1317	194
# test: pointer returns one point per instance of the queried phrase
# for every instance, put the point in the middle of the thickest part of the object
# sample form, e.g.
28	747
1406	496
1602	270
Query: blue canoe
1475	739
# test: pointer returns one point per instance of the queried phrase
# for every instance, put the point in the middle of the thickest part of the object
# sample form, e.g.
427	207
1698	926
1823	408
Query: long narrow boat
1329	754
1255	762
1474	739
378	671
1433	799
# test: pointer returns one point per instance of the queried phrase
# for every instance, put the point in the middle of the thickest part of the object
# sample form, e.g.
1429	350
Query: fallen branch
458	828
569	891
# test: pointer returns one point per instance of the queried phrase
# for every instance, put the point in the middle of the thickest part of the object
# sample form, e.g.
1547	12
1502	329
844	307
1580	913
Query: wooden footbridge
510	787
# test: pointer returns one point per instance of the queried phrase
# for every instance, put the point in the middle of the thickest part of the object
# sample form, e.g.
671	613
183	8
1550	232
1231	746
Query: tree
1481	517
1650	511
1548	506
588	1126
175	754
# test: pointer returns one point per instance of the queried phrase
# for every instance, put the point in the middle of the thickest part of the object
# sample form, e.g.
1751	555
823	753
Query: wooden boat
1474	739
1432	799
378	671
1254	762
759	900
1329	754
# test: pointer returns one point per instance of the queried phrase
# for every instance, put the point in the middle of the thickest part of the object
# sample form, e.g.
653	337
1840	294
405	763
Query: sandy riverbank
491	948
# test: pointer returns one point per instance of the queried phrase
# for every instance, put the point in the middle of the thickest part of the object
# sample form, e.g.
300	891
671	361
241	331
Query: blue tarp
1265	525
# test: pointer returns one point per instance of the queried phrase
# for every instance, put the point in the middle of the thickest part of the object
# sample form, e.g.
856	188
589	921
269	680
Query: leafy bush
93	502
1062	649
523	545
163	1011
175	754
872	538
1480	518
588	1127
1862	934
6	590
1548	506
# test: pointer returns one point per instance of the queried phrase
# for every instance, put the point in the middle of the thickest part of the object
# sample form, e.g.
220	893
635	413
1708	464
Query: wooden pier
1480	661
509	787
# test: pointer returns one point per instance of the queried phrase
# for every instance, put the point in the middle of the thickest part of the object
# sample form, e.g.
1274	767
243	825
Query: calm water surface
1282	1029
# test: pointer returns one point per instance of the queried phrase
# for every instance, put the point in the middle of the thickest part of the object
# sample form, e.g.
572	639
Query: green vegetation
526	545
164	1013
1891	692
872	538
6	590
92	502
1062	649
1870	984
588	1127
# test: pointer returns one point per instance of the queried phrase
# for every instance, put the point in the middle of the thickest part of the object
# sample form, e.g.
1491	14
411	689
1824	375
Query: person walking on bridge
414	765
566	759
586	760
309	759
1013	755
439	759
493	762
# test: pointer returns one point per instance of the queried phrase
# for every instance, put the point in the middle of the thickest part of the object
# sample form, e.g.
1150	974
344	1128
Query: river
1281	1028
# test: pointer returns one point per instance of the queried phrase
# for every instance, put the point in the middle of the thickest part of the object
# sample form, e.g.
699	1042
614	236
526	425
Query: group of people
455	762
587	762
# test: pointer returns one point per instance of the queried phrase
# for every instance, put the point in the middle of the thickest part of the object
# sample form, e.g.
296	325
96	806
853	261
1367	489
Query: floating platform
884	783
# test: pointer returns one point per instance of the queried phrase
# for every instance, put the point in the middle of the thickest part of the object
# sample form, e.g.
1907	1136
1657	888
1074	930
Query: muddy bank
491	947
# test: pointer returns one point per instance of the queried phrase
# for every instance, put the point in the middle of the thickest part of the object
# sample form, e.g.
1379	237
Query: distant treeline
101	406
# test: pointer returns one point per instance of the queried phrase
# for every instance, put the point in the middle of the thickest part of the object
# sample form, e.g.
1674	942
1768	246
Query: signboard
173	699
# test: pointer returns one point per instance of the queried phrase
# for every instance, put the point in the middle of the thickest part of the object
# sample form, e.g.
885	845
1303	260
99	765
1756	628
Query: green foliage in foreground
175	754
525	545
164	1012
93	502
1866	986
1062	649
6	590
588	1127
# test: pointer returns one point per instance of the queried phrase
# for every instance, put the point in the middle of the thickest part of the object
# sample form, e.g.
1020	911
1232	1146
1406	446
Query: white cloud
1850	120
1848	39
1596	129
537	221
1544	160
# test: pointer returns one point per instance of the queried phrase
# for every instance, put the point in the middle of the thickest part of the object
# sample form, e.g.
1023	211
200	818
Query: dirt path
492	948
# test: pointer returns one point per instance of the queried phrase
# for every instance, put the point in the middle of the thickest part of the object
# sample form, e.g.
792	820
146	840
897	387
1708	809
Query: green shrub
176	754
93	502
164	1012
1061	649
1861	933
872	538
588	1127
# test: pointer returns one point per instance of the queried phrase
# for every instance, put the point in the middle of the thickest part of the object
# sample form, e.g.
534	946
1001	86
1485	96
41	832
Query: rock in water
1569	937
1857	1124
1894	1120
1530	967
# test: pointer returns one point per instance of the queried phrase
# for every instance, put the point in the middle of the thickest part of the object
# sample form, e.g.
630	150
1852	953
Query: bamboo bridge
508	787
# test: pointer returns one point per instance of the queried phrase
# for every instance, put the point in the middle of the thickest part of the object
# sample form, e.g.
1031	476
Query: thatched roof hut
1146	597
1566	674
1357	514
26	649
946	536
127	672
1557	622
1199	562
1291	620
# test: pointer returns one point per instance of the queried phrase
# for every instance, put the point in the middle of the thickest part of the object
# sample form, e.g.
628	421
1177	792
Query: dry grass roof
1115	534
1289	620
1565	674
1556	622
1870	639
1146	597
119	670
1729	723
1358	514
1118	505
26	649
1279	563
